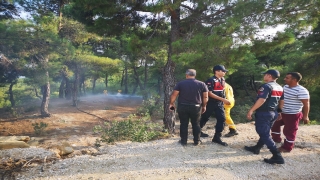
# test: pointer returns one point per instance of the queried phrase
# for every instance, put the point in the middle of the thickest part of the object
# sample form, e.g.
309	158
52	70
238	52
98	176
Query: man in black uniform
268	98
192	101
215	104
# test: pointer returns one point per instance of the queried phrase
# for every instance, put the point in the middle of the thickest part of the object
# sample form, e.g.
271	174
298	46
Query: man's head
219	71
271	74
191	73
292	78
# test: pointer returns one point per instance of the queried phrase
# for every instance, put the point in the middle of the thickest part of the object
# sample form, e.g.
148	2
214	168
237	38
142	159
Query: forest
72	48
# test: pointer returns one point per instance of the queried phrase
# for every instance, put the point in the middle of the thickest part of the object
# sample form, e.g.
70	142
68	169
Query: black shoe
204	134
218	140
197	143
275	159
231	133
253	149
182	143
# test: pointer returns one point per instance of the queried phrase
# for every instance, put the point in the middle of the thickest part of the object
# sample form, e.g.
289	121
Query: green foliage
39	128
4	101
314	105
138	129
314	122
152	106
242	105
15	111
239	113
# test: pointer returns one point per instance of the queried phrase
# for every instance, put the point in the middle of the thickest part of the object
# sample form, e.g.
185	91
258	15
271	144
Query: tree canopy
144	47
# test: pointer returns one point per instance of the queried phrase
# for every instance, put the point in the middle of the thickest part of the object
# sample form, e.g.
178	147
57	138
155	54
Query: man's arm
204	101
280	106
227	102
173	98
281	103
305	110
256	105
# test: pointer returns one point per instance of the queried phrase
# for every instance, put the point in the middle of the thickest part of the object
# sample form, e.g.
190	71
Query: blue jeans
264	121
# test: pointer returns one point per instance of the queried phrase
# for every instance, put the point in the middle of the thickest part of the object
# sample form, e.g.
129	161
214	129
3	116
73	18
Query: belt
186	104
271	110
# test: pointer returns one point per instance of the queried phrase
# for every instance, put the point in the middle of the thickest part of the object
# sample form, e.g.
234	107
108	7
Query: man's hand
306	120
226	102
279	117
203	109
171	107
249	114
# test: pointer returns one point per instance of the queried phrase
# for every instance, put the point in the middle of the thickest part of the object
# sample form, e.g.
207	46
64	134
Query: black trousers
216	107
193	113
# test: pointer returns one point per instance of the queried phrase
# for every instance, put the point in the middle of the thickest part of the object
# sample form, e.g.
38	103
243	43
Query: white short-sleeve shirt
293	97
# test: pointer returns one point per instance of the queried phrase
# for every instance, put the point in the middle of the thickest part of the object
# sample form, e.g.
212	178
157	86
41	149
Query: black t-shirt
190	91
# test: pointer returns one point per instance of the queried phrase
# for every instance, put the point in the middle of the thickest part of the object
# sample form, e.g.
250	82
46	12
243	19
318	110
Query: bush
241	108
239	113
152	106
137	129
39	128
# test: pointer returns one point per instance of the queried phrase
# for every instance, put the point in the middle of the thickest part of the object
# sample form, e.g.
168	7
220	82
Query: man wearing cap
192	101
294	107
217	98
268	98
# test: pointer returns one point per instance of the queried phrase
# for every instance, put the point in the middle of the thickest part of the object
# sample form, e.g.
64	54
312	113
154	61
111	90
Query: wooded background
72	48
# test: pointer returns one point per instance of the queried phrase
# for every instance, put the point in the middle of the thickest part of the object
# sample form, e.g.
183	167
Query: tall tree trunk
84	87
134	89
168	72
160	86
126	80
79	89
107	80
45	98
12	101
68	90
144	92
75	87
137	78
145	74
81	85
62	88
94	84
37	94
61	3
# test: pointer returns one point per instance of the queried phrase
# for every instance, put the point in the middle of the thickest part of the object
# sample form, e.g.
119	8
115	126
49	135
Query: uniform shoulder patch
261	89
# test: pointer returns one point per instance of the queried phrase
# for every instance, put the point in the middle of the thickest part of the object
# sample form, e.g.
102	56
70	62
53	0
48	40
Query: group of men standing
275	106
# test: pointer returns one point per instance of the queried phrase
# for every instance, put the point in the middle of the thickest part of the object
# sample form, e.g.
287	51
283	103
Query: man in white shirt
293	107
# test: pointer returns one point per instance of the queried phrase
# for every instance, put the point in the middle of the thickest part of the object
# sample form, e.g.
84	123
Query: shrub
152	106
138	129
241	108
239	113
39	128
